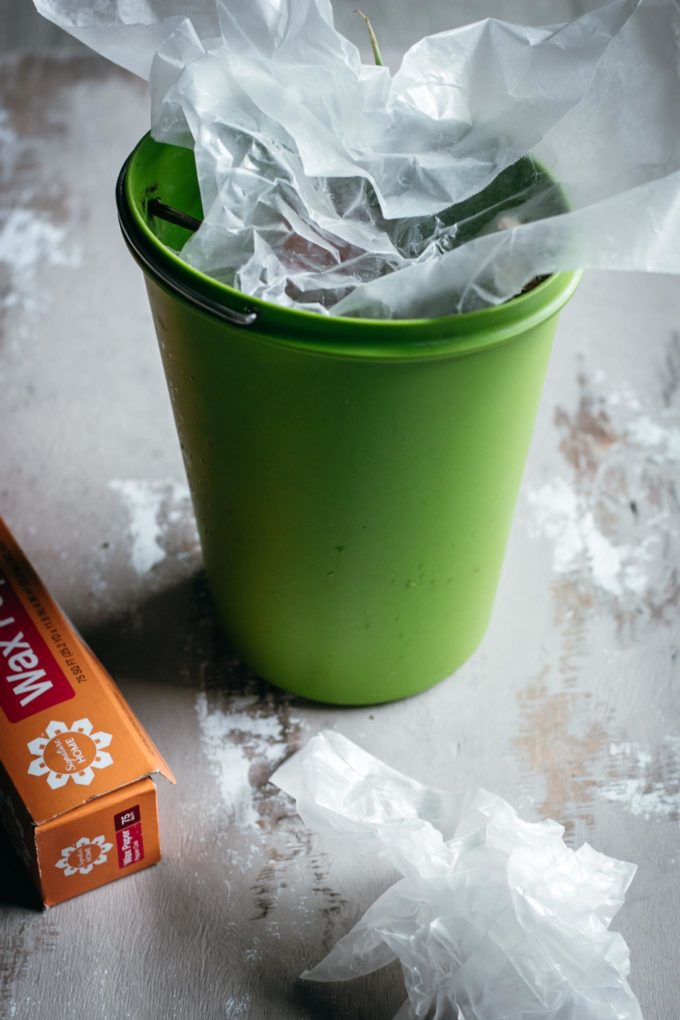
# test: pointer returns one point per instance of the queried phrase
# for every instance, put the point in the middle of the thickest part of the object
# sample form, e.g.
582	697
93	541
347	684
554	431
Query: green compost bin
353	480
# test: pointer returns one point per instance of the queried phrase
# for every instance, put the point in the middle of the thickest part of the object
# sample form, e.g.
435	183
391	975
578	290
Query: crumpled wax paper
495	918
336	186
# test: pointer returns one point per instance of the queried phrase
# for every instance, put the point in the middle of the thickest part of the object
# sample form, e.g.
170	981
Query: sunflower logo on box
84	855
69	752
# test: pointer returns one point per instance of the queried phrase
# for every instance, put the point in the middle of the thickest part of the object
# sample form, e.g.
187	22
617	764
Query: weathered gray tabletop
570	708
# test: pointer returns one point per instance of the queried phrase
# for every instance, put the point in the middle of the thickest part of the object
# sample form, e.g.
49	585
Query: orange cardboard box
75	793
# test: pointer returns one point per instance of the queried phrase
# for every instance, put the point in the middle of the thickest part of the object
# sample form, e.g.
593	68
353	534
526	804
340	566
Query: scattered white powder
625	396
573	516
235	738
253	953
565	517
659	435
665	441
152	507
638	788
28	242
237	1007
629	749
8	137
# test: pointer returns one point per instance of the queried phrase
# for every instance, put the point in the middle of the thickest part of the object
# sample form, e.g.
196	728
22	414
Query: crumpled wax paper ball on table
335	186
495	918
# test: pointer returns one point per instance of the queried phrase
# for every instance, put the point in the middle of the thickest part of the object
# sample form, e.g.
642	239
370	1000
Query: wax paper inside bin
353	480
327	183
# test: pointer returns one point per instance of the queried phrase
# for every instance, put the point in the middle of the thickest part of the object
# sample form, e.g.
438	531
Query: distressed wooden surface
569	708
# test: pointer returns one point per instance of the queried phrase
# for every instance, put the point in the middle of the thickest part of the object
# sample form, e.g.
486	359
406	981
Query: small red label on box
127	817
130	845
30	678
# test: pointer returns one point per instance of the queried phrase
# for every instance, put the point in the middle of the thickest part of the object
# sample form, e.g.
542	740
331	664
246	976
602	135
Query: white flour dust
8	137
237	1007
591	517
153	509
565	517
662	441
237	739
646	785
30	241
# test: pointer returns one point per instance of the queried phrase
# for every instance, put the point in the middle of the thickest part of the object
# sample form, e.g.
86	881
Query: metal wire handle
158	271
167	212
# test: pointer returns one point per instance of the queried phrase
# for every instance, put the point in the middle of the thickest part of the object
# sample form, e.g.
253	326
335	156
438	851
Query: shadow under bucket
353	480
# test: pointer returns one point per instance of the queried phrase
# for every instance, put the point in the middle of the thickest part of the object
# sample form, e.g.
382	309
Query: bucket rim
461	332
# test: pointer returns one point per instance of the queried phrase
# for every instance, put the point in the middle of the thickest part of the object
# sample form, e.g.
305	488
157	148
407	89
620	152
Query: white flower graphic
84	855
69	752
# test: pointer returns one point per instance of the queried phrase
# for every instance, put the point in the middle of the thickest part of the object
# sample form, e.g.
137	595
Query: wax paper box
76	796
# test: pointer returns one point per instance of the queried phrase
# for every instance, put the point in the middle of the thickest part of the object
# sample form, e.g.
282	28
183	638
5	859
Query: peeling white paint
152	508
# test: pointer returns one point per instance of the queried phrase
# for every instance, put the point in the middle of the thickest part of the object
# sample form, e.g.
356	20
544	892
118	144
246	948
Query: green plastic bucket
353	480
